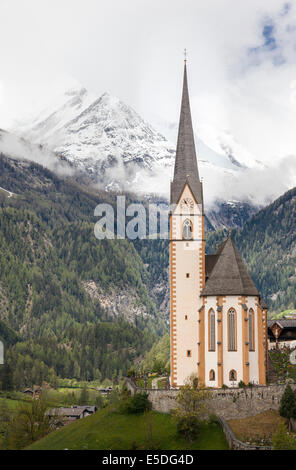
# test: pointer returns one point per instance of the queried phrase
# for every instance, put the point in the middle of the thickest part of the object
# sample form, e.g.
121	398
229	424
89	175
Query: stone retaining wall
227	404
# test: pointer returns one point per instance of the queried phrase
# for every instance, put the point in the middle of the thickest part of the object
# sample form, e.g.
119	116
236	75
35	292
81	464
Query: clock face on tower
187	203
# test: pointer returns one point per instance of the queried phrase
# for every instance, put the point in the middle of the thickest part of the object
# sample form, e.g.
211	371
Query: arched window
251	330
212	330
232	375
187	230
212	375
231	330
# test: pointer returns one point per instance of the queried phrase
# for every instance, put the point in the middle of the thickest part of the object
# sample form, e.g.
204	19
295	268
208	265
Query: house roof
228	274
92	408
77	411
186	170
282	323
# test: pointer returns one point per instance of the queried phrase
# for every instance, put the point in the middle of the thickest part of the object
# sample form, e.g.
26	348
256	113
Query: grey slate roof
229	275
210	263
186	169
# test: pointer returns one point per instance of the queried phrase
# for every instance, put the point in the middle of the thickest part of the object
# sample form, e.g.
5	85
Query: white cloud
242	76
260	186
18	148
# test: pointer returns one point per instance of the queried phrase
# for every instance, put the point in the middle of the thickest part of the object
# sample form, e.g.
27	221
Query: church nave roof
227	273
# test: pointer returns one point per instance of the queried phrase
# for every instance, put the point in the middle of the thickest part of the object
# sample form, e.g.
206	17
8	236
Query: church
218	321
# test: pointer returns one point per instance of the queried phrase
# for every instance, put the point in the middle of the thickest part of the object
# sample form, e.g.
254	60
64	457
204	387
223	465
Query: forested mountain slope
267	244
61	289
62	329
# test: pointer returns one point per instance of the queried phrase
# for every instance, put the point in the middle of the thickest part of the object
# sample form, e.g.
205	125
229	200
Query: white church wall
232	360
253	355
186	300
211	357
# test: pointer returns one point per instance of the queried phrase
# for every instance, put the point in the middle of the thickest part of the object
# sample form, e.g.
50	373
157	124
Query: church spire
186	169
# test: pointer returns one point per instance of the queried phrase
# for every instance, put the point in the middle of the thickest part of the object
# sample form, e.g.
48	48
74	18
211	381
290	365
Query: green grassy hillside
280	315
109	429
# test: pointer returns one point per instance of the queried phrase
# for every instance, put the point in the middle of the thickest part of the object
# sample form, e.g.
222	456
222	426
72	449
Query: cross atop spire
185	55
186	170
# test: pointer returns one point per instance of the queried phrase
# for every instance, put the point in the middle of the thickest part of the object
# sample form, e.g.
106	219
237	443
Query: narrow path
154	382
271	371
10	194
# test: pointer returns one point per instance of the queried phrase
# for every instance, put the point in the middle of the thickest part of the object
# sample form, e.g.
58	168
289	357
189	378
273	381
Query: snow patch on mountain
109	132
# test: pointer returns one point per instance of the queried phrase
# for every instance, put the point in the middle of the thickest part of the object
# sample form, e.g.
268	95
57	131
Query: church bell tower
187	253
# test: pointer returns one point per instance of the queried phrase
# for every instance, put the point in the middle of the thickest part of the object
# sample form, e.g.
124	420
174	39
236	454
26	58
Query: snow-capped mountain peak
109	140
102	136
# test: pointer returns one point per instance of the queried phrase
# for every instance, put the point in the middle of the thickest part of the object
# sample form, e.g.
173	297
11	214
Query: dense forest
52	324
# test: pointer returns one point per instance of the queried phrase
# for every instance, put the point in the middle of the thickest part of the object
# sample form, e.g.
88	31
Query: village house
66	415
33	392
282	333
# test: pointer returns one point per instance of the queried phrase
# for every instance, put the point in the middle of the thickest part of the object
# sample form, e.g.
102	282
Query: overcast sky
241	61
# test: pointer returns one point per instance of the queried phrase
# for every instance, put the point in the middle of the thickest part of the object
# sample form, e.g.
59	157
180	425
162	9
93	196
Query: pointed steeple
186	169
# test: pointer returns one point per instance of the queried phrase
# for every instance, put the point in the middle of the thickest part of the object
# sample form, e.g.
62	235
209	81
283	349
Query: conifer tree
288	404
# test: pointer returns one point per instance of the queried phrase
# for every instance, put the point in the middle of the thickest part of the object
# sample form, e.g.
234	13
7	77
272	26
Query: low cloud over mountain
119	150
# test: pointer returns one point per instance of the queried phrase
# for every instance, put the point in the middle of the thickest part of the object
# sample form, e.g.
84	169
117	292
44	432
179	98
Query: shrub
282	440
131	373
159	366
139	403
188	426
213	419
